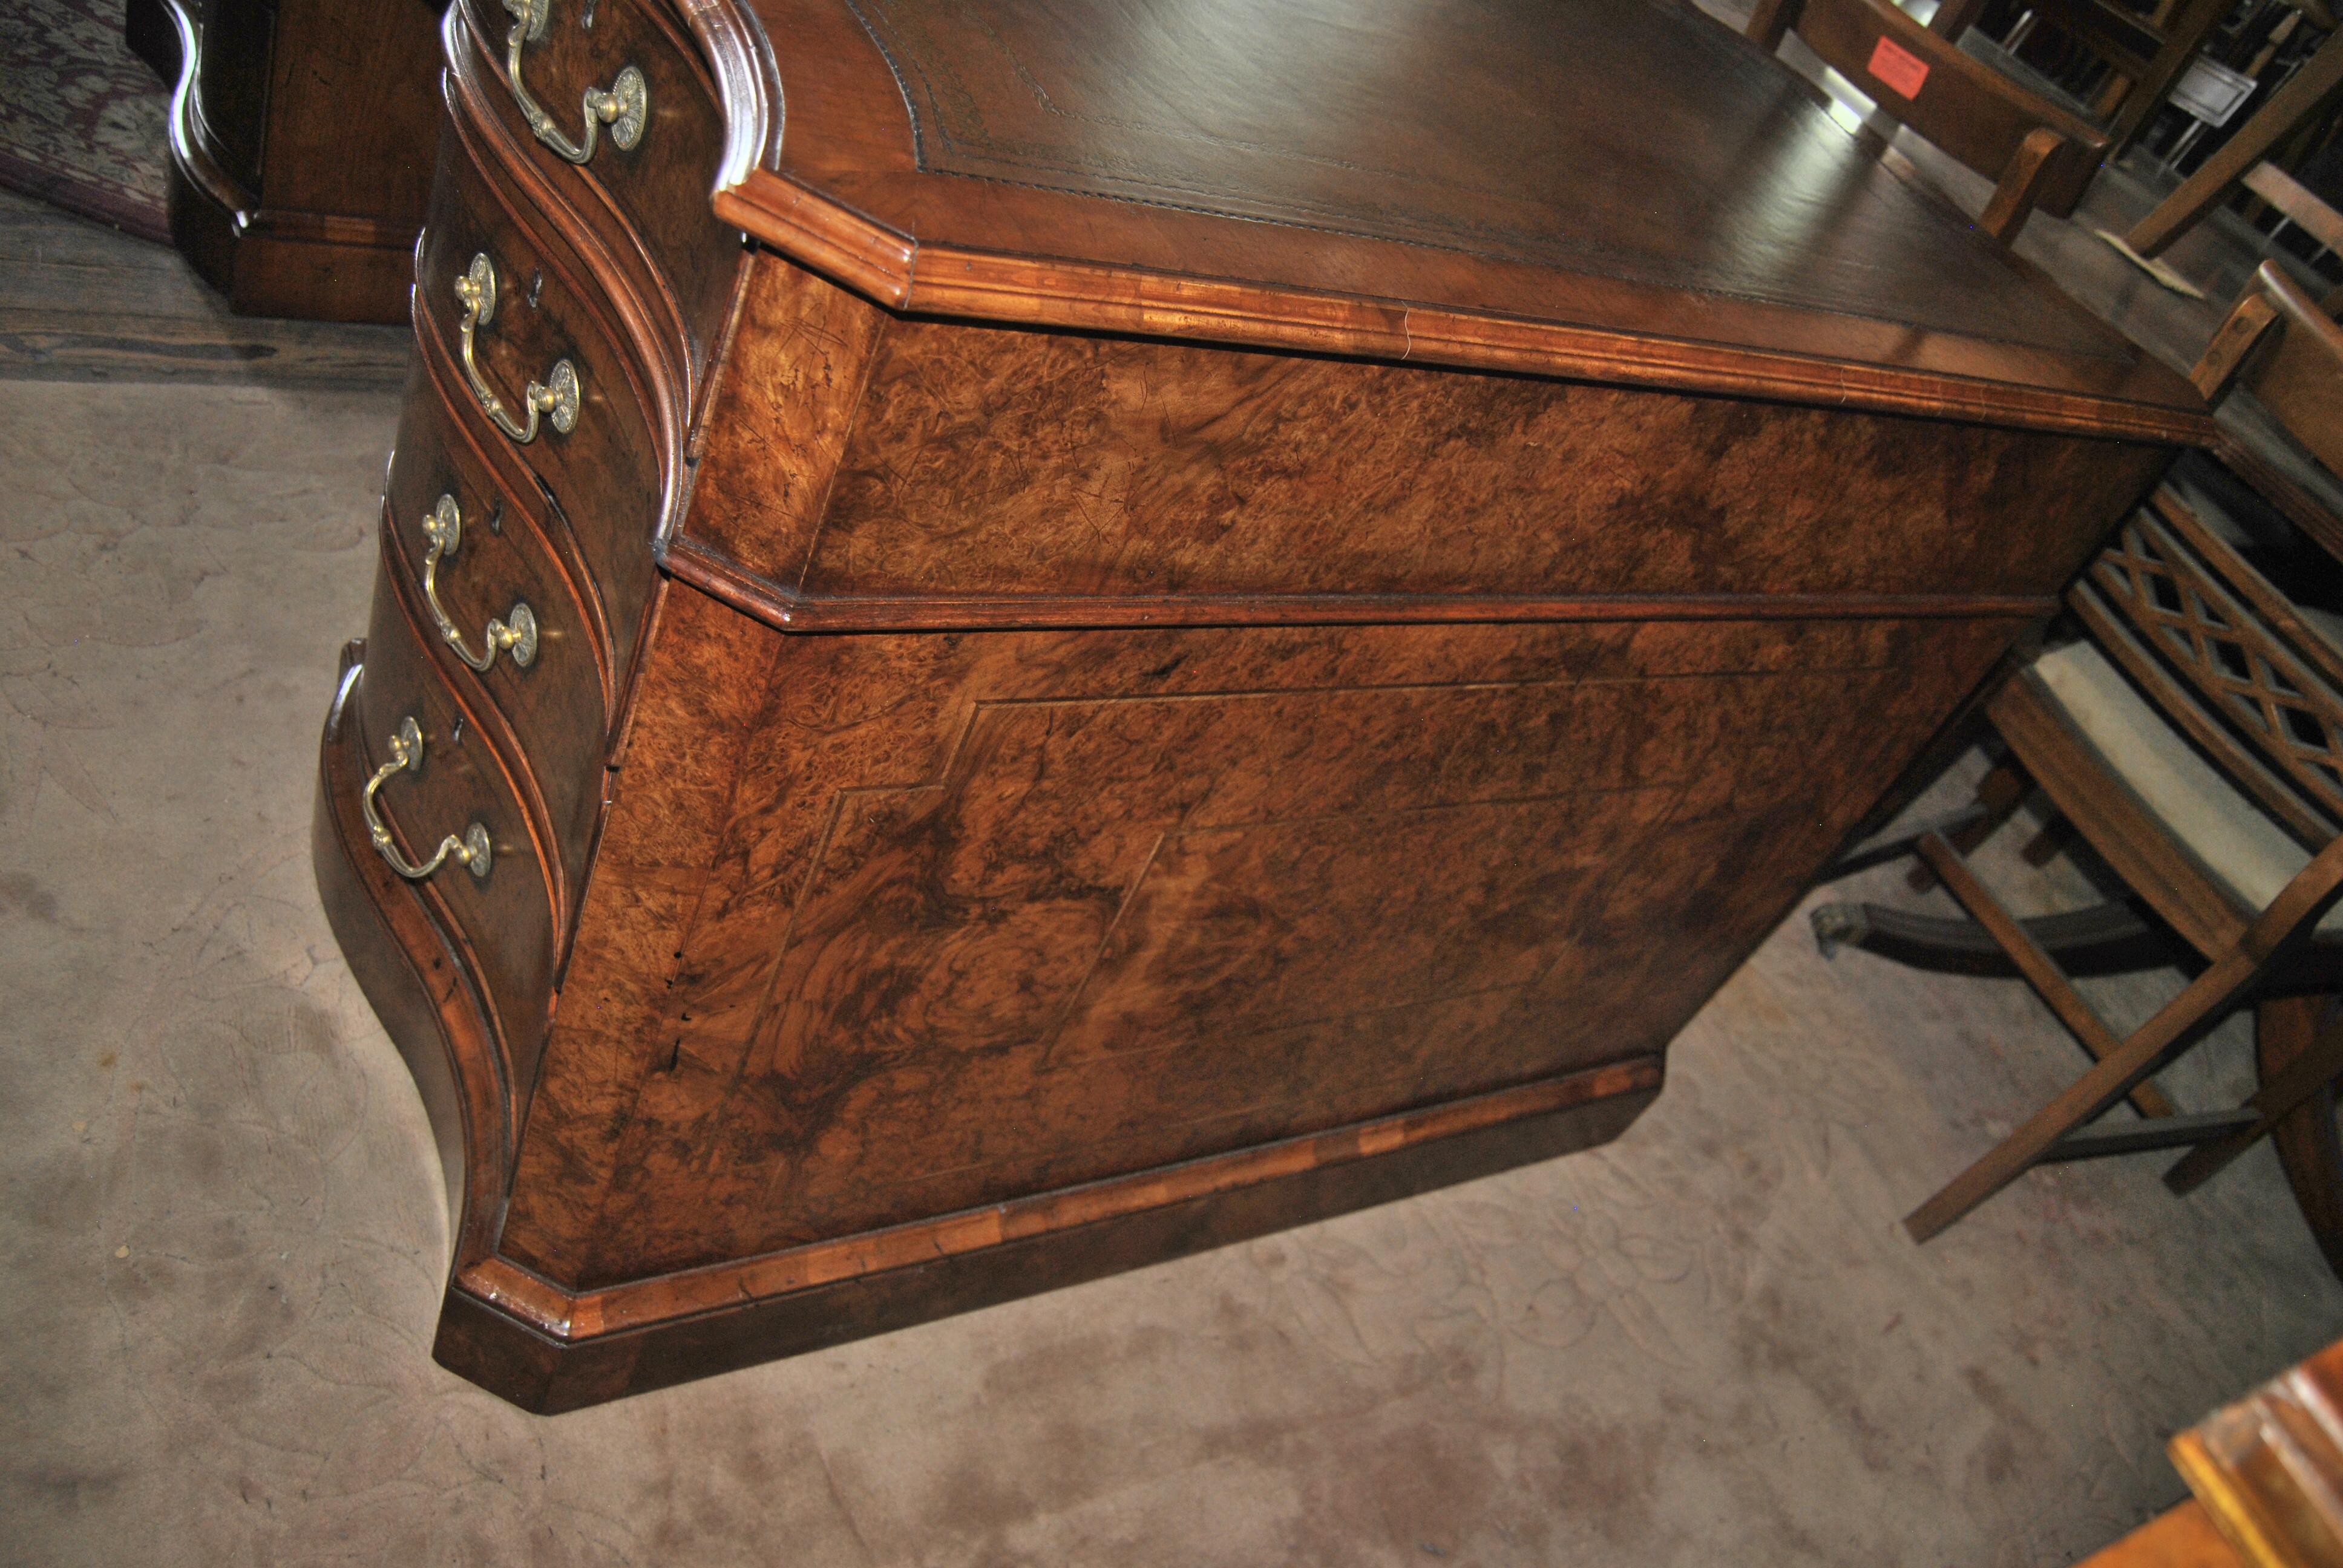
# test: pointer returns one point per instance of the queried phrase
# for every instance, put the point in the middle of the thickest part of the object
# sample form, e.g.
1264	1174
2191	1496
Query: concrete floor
1708	1343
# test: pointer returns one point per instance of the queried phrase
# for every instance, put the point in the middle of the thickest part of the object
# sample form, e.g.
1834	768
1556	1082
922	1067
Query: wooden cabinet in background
1157	622
2266	1476
302	134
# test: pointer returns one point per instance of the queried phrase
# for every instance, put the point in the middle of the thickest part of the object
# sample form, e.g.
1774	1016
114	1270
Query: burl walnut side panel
892	926
858	464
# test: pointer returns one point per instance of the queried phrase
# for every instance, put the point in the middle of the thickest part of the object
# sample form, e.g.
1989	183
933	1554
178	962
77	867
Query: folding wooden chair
2193	736
2040	154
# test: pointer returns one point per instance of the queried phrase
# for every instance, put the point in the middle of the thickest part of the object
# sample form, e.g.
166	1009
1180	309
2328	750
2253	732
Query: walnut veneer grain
1089	725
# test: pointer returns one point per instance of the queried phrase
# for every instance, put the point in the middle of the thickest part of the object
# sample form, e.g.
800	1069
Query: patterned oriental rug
82	119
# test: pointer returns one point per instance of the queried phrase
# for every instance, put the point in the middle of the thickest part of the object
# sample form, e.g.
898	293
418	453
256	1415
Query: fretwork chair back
2193	736
2039	153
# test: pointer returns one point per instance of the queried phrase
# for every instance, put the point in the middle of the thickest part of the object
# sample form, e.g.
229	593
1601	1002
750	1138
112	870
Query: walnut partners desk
1222	612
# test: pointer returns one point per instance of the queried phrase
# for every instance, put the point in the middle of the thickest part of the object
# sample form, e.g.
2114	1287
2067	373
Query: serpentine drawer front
551	330
503	920
656	186
559	705
1079	632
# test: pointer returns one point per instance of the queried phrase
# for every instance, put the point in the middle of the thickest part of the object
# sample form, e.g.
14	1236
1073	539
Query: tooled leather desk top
1623	165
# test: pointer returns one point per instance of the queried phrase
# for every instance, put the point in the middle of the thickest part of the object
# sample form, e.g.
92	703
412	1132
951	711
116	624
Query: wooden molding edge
753	193
546	1348
295	227
560	1313
740	57
897	272
1006	1252
205	208
232	240
854	251
787	609
2235	1512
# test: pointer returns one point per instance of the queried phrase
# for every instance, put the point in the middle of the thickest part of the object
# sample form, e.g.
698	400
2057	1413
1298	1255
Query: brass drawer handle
470	851
625	105
443	526
477	291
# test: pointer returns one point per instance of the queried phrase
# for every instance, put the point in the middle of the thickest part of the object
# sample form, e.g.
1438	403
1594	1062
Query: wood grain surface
504	924
985	462
1188	751
1268	174
650	201
606	477
1301	865
560	708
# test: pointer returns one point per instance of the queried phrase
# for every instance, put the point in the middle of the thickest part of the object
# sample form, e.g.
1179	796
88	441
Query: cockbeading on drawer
610	99
503	913
481	551
500	306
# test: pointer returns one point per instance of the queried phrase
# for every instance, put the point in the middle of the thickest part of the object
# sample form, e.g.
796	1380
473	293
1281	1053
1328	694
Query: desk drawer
657	187
520	329
558	701
503	923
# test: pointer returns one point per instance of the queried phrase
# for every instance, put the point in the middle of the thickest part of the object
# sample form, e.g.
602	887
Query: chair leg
2081	1019
2108	938
2309	1145
2000	794
2146	1134
1954	17
2048	844
2181	1023
2308	1072
1882	851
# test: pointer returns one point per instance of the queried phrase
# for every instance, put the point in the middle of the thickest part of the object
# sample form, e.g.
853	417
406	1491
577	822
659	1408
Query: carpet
81	121
1708	1343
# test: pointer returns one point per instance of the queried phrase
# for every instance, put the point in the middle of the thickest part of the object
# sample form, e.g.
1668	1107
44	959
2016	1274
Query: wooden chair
2144	51
2317	89
2040	154
2193	736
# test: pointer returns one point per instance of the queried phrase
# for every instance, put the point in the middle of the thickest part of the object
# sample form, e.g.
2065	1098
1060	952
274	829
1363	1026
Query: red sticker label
1898	68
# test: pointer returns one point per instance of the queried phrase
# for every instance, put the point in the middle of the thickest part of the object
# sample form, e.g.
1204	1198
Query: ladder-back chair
2193	736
